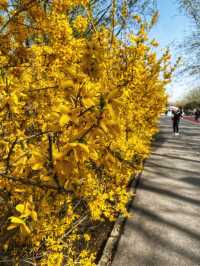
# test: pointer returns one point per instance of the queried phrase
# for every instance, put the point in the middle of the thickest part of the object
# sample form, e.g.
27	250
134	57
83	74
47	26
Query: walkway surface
164	227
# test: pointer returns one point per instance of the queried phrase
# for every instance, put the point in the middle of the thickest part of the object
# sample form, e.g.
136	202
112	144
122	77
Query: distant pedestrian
196	115
176	116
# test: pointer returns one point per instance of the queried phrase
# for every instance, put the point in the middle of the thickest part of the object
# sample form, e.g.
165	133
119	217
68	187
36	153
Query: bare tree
191	45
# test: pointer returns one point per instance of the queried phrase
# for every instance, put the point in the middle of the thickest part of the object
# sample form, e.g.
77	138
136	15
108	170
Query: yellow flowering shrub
77	117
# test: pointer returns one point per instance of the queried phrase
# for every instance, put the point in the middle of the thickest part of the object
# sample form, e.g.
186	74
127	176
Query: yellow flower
86	237
80	23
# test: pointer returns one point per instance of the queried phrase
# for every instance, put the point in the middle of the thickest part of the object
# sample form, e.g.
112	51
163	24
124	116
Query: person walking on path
176	116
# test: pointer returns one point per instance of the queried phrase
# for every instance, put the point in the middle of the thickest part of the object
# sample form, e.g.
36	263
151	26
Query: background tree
191	100
191	45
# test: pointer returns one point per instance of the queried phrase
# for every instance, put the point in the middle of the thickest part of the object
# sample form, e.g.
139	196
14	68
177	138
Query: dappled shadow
159	240
179	148
165	174
157	166
157	244
166	137
192	180
175	157
168	193
167	204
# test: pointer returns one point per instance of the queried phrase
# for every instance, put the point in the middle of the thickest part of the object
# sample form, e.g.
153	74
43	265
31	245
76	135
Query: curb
111	244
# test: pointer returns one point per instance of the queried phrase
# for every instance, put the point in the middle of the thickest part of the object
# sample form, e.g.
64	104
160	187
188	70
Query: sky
172	28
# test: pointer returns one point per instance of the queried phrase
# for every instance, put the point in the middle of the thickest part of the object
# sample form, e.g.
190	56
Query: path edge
111	244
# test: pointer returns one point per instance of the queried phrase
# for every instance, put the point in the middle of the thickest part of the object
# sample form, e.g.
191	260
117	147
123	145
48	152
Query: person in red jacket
176	116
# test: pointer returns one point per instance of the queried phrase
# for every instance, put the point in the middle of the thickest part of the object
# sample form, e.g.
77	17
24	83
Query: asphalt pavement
164	226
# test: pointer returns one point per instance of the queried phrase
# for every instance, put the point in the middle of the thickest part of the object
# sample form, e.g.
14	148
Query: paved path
164	229
192	119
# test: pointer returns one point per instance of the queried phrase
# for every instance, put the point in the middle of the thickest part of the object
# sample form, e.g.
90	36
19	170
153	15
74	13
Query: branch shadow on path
162	242
172	174
168	193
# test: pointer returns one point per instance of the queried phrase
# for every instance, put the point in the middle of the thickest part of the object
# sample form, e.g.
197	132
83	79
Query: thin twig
33	136
87	110
79	93
75	225
23	8
43	89
29	262
9	155
36	184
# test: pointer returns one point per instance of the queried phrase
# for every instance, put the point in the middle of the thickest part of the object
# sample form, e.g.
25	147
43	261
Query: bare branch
38	184
9	155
